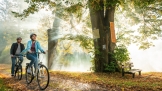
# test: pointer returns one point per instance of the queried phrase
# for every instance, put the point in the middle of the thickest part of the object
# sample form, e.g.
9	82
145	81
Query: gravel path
56	83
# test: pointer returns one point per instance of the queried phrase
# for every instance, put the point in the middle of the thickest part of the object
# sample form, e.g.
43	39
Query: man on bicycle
32	51
15	50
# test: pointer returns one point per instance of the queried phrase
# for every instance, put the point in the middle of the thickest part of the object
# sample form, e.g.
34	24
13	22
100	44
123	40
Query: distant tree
6	7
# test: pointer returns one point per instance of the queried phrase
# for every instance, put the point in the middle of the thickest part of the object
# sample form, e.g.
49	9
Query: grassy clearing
3	87
148	81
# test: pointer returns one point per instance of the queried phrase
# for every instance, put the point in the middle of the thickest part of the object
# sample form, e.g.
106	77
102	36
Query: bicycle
18	68
41	72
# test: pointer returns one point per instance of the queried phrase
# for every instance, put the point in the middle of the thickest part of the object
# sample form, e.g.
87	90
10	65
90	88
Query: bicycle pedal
41	76
32	77
29	73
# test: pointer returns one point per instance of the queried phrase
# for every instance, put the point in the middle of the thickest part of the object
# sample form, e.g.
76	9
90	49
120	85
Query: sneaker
12	75
29	71
34	74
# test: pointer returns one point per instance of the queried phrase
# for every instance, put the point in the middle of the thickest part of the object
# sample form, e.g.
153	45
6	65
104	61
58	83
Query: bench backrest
127	65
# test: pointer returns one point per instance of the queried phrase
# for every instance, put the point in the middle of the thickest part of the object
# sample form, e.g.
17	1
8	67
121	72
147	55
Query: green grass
2	86
54	85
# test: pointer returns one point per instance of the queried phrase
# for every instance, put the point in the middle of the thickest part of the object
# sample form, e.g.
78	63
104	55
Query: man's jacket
14	48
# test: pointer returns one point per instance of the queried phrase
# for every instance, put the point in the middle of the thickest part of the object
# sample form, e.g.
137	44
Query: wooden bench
127	69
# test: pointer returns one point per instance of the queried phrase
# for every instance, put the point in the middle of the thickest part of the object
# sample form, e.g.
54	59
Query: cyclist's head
19	39
33	36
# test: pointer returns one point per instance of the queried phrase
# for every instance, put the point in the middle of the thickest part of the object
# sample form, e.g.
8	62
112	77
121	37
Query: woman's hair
31	35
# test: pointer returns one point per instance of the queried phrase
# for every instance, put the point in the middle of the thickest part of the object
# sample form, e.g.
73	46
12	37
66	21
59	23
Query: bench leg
122	73
139	72
133	75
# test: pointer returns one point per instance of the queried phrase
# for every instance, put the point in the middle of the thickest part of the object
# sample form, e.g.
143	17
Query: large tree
102	12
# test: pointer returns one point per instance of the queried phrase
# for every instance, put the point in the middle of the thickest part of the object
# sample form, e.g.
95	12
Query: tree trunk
100	19
51	48
53	40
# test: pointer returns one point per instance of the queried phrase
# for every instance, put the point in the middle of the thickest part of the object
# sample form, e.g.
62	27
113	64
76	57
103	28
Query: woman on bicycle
32	51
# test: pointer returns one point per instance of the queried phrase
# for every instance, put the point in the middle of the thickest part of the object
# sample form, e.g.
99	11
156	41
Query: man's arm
23	47
12	49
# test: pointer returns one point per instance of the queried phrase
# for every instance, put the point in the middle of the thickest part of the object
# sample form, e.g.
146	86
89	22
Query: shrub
120	56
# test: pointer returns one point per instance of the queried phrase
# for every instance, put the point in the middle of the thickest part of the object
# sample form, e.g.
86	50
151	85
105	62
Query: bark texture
101	19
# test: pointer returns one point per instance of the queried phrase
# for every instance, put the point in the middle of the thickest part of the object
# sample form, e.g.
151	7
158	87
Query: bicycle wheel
29	76
15	71
43	77
18	72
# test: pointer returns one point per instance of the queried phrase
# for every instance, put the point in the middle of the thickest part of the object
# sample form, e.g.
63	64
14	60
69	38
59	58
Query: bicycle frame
18	59
39	71
39	64
18	67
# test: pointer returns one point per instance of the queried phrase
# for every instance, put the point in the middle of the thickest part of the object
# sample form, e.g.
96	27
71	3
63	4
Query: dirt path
56	83
4	71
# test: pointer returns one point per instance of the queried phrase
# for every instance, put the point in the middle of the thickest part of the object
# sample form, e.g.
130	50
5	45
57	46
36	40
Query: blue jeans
14	61
33	58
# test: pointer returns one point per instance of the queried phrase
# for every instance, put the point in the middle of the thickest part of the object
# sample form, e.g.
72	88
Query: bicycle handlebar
18	56
35	52
27	53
